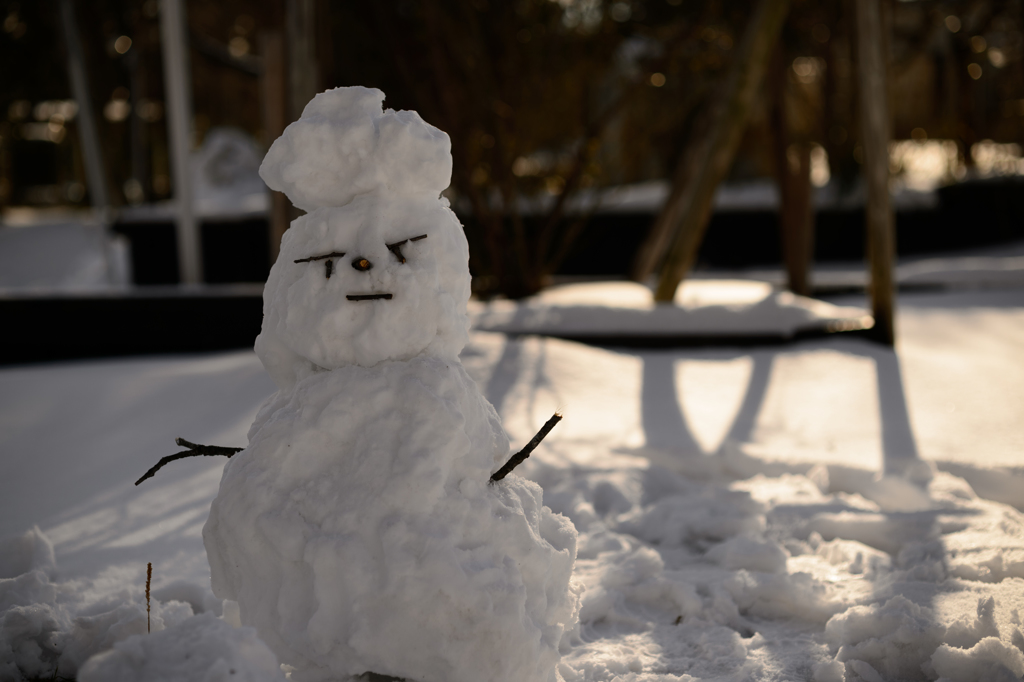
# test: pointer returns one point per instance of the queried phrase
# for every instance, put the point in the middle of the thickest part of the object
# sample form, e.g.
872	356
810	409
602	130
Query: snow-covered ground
736	520
62	253
704	307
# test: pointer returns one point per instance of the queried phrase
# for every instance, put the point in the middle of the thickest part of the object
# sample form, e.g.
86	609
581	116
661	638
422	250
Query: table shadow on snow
664	419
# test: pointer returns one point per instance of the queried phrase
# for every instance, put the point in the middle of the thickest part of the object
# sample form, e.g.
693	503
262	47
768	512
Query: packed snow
202	647
765	522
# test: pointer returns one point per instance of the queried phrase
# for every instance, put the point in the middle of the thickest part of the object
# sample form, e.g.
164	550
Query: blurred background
569	120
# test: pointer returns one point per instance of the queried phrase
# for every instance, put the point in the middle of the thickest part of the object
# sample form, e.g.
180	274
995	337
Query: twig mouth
368	297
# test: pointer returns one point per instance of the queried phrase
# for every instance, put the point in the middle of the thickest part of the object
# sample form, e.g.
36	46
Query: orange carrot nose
361	264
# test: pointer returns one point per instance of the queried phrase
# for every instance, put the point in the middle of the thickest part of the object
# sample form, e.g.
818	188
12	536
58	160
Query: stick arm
194	450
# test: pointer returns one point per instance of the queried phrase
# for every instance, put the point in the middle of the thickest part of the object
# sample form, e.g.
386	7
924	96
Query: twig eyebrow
410	239
333	254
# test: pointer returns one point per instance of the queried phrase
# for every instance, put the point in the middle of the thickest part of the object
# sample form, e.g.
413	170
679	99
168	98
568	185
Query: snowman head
378	268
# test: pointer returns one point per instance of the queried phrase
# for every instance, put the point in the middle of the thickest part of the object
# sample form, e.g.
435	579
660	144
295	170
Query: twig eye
328	267
396	248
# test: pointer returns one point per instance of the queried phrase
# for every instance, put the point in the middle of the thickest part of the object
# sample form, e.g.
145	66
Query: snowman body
358	531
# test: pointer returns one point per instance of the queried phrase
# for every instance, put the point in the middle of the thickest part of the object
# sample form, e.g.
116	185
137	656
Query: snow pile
890	640
202	647
225	175
358	531
65	256
701	308
50	629
902	640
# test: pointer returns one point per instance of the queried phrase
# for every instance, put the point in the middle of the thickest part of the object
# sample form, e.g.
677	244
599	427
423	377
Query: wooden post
687	210
793	176
95	174
272	91
177	81
875	142
303	71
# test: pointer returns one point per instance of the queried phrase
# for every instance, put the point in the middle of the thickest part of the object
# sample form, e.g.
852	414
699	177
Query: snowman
358	531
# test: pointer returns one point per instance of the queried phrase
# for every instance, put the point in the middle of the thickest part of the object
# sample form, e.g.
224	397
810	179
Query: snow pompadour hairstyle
345	144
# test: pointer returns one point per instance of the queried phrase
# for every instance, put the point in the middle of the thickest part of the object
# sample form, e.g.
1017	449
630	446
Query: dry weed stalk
149	579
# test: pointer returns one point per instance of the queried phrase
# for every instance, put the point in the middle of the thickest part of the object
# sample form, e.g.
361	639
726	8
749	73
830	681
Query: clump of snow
854	557
50	629
990	660
33	626
358	531
345	145
892	640
904	640
95	628
202	647
739	552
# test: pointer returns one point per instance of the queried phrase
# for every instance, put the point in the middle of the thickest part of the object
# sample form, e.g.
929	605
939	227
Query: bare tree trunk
272	86
797	217
876	131
654	247
687	210
793	174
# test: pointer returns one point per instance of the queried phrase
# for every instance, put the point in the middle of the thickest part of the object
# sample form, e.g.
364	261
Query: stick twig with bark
521	456
194	450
